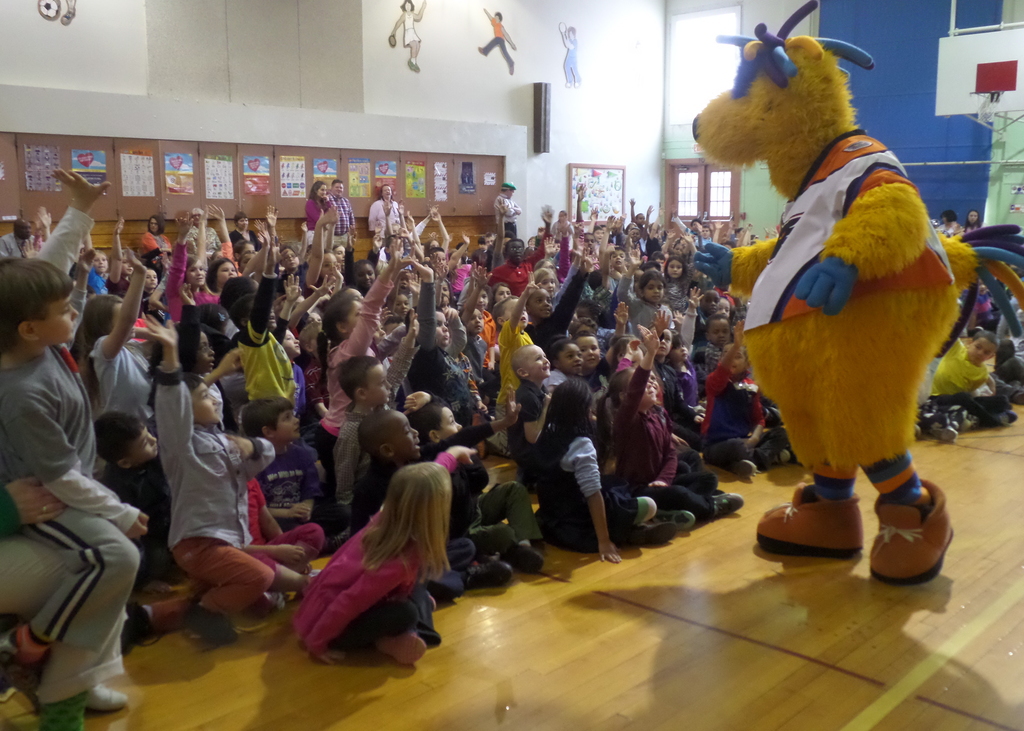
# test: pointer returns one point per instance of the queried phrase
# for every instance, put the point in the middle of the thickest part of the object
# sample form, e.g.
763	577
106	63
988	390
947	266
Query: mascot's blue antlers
849	304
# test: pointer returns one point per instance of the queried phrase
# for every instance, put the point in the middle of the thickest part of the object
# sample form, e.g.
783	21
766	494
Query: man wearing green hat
506	210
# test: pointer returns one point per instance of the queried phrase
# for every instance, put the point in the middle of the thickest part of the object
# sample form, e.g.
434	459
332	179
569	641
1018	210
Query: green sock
65	715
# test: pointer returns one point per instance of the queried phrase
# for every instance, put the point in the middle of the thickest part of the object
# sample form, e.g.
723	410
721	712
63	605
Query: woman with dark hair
242	231
154	239
385	208
973	220
317	204
949	225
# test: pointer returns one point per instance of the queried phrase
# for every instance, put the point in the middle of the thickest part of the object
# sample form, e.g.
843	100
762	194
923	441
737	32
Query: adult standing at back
18	242
242	231
386	207
507	210
316	204
345	229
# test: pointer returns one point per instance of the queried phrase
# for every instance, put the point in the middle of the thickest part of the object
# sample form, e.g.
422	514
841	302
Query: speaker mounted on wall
541	117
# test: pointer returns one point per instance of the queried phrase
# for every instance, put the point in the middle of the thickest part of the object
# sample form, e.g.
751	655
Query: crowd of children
285	401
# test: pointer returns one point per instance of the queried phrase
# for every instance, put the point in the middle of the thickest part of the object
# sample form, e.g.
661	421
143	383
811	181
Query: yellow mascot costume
849	304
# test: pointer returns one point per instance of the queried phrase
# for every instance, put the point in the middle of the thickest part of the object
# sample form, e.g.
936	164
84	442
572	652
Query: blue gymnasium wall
896	100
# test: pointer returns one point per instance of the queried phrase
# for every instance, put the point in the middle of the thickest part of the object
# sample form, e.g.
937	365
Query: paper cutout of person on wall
501	38
571	68
410	39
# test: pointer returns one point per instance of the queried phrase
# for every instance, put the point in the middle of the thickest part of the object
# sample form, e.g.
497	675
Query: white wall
103	49
259	70
621	51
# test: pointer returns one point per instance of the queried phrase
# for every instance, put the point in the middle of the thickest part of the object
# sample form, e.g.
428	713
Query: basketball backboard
976	63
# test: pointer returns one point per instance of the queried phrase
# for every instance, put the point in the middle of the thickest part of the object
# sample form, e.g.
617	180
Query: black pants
451	584
155	561
390	619
766	453
987	409
1011	370
511	230
325	442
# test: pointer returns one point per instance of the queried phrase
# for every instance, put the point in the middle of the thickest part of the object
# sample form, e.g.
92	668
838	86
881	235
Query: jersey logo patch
858	145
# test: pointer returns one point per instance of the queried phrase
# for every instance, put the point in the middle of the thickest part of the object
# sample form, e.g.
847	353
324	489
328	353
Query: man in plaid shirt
345	229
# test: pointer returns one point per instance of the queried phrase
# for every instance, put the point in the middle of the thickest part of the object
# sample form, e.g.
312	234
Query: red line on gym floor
744	638
965	714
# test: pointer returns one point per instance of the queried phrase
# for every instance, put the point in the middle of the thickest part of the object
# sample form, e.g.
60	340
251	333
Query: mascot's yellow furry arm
849	304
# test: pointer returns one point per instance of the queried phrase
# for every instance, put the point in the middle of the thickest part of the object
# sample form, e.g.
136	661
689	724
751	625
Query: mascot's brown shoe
809	526
911	540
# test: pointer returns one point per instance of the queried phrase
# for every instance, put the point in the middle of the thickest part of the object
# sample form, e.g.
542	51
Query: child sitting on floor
370	593
208	472
734	435
953	406
290	483
645	453
476	514
579	510
136	476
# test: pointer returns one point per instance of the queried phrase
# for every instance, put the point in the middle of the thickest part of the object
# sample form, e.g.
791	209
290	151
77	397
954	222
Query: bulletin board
476	182
40	155
10	190
171	176
217	176
181	171
255	174
606	189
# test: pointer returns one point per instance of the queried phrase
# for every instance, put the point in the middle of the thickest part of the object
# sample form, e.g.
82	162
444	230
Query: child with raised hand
476	514
46	433
579	510
349	324
371	594
645	452
440	367
734	431
208	472
650	301
549	322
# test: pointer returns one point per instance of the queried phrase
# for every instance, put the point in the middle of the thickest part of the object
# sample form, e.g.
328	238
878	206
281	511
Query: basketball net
986	101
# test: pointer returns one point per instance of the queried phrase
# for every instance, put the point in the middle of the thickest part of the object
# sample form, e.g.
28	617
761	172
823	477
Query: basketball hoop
986	102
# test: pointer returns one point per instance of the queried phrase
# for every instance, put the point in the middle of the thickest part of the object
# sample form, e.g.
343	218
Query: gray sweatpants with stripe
86	609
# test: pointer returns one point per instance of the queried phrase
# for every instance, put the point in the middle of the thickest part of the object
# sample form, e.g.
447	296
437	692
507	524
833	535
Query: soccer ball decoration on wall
51	10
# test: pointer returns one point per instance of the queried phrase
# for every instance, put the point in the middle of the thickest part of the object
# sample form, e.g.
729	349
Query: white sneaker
102	698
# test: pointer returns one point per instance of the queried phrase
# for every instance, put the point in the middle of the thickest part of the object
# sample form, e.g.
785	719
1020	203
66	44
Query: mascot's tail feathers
996	247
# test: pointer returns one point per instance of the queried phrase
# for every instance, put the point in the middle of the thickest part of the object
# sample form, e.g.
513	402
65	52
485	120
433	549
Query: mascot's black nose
695	119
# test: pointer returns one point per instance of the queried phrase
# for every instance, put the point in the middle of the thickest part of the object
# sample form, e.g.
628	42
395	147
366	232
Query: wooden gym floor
704	633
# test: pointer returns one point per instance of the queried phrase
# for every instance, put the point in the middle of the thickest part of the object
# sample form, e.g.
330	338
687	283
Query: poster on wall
359	177
256	174
385	173
440	181
606	189
220	177
325	169
293	176
1017	190
1016	208
467	179
137	174
178	173
490	178
3	174
415	180
40	162
90	164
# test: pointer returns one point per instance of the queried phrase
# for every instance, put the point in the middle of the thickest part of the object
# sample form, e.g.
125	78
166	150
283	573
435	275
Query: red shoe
809	526
911	541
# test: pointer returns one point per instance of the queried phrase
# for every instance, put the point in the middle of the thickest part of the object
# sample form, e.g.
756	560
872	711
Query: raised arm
116	254
61	248
124	325
201	255
426	309
221	227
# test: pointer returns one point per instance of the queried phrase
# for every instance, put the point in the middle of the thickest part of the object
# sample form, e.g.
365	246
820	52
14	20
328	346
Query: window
689	187
700	68
720	203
